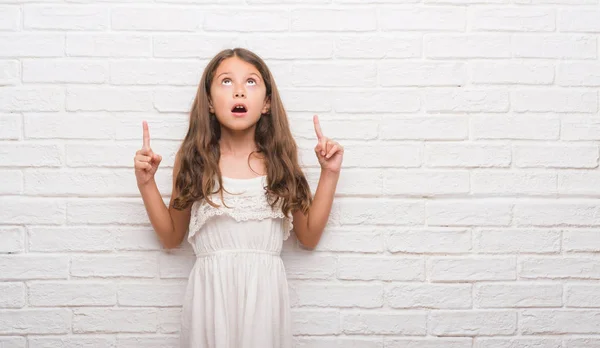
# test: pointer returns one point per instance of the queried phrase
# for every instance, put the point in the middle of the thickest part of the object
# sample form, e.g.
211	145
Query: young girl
238	188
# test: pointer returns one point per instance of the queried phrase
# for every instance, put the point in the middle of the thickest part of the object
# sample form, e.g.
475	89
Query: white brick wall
467	213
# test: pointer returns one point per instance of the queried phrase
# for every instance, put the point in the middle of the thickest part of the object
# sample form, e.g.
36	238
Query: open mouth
239	109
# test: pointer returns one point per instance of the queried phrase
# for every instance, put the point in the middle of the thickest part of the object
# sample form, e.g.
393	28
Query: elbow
170	243
309	243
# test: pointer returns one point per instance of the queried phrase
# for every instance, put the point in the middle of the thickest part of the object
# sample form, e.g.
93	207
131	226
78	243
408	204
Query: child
238	188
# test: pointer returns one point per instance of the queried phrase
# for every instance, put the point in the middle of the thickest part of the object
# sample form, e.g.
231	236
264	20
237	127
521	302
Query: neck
237	142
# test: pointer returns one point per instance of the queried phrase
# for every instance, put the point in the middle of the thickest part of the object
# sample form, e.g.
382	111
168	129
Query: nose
240	94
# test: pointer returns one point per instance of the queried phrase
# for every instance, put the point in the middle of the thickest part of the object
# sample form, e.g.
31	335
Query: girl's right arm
169	223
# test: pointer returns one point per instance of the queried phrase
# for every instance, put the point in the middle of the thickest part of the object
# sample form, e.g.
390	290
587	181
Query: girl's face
238	94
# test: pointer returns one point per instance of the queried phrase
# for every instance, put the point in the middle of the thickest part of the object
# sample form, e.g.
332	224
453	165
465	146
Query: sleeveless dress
237	292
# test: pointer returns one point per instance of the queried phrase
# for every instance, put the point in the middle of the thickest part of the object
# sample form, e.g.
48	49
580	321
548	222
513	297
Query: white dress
237	292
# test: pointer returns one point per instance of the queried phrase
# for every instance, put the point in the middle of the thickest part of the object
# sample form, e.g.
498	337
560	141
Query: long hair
200	152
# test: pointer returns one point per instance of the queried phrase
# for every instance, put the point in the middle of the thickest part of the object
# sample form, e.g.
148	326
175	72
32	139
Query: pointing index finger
317	127
146	135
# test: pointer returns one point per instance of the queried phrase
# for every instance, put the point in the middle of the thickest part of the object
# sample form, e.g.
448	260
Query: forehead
236	66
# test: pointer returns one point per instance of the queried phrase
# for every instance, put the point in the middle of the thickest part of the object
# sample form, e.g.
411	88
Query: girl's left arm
309	228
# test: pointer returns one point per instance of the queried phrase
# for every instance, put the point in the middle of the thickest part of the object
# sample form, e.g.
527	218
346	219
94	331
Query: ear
266	106
210	106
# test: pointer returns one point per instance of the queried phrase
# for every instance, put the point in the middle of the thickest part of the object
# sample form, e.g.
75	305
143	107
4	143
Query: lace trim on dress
241	207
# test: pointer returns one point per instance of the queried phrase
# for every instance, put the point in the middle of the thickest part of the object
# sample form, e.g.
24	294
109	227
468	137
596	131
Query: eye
226	81
251	82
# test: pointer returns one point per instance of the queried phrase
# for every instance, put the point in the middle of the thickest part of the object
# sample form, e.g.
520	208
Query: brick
174	99
71	238
114	320
473	323
336	342
109	99
10	126
10	70
305	265
100	211
247	21
425	184
13	342
349	241
156	18
144	72
108	45
66	17
556	156
108	266
70	341
410	295
520	342
423	18
32	45
36	98
31	210
315	322
586	342
152	341
428	241
467	46
343	20
369	211
582	295
336	295
69	126
555	101
554	267
12	239
35	321
382	155
518	295
495	241
579	20
81	182
470	100
380	268
557	46
382	45
292	47
580	128
581	240
429	342
522	183
453	269
468	213
513	19
395	73
71	293
151	294
497	72
563	213
20	154
384	323
559	321
517	127
13	296
579	74
10	18
64	71
337	74
187	45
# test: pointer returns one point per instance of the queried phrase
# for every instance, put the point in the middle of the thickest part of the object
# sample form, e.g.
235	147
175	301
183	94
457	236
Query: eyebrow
227	72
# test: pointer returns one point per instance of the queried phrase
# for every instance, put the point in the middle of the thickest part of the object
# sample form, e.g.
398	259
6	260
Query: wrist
146	186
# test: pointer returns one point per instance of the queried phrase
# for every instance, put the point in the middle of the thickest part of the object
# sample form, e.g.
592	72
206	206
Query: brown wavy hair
199	153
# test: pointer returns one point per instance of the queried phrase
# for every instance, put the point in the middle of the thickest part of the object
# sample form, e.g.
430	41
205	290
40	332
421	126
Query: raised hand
145	161
329	152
